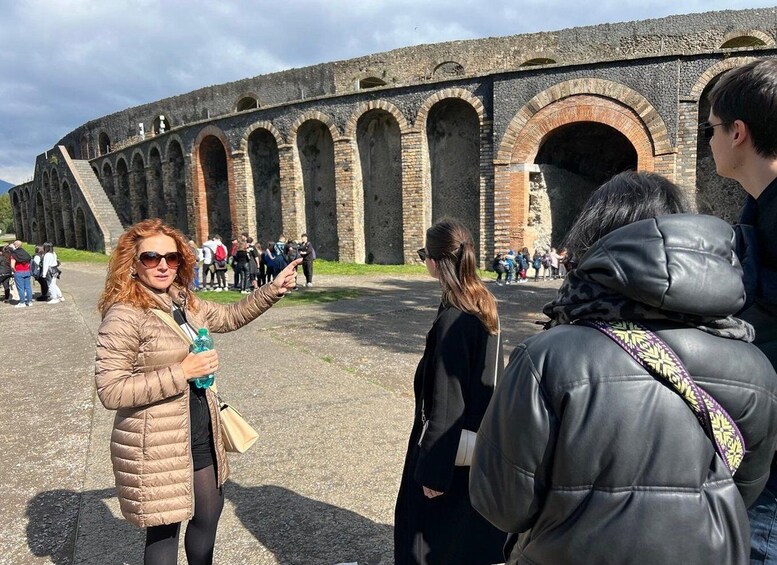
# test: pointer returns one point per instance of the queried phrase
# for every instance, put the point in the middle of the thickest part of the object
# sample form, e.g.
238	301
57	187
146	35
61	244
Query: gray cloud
63	63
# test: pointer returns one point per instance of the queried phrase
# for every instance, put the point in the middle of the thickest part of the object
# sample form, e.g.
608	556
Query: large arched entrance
56	209
562	152
453	141
317	161
67	214
82	240
380	156
40	219
51	230
213	163
715	195
266	175
175	187
573	161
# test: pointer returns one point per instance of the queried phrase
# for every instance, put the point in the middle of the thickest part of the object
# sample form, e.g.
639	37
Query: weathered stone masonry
365	154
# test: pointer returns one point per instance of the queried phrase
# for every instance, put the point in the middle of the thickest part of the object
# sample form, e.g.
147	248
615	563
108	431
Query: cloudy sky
65	62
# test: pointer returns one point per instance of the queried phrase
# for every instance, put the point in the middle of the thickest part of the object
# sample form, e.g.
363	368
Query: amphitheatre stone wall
365	154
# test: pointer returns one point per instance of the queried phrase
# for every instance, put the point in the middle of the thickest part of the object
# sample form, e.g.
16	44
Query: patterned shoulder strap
658	358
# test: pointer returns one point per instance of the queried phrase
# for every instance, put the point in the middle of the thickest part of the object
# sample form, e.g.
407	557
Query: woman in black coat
434	520
587	456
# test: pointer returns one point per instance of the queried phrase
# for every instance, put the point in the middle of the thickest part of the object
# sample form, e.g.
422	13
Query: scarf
582	299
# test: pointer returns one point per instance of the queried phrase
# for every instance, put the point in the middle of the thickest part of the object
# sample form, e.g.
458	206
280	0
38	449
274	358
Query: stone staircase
101	207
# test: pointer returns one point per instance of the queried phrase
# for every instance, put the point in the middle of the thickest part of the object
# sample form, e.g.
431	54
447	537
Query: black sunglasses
422	254
151	259
708	129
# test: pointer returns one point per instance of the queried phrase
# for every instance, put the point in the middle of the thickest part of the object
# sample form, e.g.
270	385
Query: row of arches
381	179
50	215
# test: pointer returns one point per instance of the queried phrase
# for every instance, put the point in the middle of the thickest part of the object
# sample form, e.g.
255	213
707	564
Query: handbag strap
168	319
650	351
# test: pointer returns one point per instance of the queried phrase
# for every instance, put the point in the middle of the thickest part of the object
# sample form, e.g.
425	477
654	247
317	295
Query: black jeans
307	269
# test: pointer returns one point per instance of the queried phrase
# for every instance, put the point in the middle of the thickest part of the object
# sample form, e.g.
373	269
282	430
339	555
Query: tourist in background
500	267
308	254
51	274
174	466
269	260
208	267
6	274
253	263
240	263
536	263
36	272
220	255
20	264
554	257
434	521
584	456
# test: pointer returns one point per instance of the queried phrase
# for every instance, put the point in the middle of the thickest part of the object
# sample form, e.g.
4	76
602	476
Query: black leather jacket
591	459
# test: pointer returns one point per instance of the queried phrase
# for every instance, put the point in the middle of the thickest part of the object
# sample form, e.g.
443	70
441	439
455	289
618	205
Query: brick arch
170	139
463	94
629	101
715	70
264	124
198	188
758	34
584	108
313	115
350	126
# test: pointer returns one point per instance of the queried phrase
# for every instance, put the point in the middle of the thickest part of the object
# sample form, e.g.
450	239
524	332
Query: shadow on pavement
53	525
297	529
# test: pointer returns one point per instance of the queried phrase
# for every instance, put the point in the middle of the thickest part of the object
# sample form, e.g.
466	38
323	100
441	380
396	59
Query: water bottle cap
202	331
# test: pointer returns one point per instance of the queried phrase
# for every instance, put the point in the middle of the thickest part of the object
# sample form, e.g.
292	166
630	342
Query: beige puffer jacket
138	374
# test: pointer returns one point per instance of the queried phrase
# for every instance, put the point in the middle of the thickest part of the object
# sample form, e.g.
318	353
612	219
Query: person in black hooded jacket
583	455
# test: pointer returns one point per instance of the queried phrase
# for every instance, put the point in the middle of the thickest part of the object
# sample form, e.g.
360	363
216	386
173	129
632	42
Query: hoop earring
133	274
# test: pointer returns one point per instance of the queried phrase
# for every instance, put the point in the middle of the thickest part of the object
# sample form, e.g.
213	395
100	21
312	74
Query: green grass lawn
301	297
66	255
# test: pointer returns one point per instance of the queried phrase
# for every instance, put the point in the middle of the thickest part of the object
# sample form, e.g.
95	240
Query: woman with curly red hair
168	457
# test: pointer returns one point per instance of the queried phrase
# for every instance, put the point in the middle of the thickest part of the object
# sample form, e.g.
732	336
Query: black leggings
162	541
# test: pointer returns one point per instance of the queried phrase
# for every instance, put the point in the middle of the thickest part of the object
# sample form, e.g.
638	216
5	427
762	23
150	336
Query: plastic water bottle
203	342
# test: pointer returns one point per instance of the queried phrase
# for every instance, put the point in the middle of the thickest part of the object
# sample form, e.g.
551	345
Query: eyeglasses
152	259
422	254
708	129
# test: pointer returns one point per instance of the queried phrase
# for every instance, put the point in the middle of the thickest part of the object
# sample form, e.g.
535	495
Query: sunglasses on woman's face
152	259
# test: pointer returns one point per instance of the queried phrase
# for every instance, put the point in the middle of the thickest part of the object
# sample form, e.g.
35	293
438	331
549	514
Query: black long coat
455	378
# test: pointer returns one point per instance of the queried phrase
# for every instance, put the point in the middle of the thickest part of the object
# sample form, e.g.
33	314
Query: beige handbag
237	434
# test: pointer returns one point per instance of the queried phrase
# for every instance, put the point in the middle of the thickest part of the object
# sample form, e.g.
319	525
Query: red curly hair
121	287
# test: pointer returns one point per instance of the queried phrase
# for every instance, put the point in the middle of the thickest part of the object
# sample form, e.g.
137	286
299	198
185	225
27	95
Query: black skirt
203	447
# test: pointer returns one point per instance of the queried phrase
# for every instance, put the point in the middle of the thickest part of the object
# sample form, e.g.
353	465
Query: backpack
21	255
36	268
221	253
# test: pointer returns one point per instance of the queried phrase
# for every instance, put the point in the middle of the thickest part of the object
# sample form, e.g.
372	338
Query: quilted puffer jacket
585	457
138	374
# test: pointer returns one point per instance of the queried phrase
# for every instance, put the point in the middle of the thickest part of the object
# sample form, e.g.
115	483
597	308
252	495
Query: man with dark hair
308	254
742	130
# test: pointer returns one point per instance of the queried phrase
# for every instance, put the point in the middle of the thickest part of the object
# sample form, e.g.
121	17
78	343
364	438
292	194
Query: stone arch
313	115
157	121
448	69
248	101
123	192
67	213
214	190
379	166
537	61
264	124
56	208
51	218
746	38
175	184
452	149
628	102
466	95
263	169
714	71
107	180
313	146
84	147
157	205
138	187
40	219
104	143
81	233
350	125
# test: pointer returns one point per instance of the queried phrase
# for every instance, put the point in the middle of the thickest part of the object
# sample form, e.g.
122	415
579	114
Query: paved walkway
329	387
